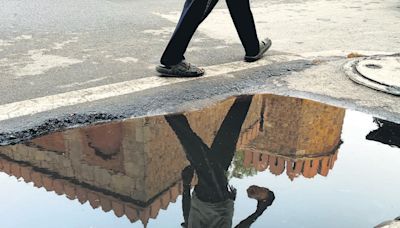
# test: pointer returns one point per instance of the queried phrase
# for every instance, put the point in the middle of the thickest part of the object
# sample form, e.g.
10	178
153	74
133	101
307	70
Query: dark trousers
194	12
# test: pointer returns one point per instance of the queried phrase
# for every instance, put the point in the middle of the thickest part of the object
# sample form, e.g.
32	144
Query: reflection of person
264	198
194	12
211	204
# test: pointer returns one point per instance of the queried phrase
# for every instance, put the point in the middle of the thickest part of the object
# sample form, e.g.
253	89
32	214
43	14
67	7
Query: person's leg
187	176
244	22
193	14
194	147
210	6
224	145
212	182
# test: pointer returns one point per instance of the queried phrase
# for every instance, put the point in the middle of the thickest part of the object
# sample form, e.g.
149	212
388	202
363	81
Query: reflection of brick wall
142	158
298	135
53	142
163	147
101	146
141	166
139	158
293	126
207	122
164	158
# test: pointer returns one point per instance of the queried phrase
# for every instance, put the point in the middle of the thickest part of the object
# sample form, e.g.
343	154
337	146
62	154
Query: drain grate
377	72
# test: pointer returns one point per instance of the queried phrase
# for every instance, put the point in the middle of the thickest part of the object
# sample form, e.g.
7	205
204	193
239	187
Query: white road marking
47	103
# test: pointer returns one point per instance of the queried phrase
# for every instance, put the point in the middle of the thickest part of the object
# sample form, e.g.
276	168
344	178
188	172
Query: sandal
182	69
264	46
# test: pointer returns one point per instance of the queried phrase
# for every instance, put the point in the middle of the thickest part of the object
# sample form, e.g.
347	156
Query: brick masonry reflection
133	167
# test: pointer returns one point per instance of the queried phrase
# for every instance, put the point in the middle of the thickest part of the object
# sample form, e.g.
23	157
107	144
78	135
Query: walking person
212	203
194	12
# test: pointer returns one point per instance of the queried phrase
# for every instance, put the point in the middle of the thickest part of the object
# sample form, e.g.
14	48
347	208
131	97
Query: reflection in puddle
301	136
387	133
137	167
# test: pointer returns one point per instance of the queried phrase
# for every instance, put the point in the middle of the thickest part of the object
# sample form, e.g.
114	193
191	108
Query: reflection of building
123	163
133	167
299	135
387	133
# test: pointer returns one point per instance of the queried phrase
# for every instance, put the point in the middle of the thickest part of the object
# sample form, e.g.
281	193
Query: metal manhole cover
377	72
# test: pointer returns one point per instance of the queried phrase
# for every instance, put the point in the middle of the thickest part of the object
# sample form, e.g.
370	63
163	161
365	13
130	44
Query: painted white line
47	103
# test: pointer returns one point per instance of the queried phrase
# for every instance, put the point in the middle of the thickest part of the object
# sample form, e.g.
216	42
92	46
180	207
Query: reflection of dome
300	135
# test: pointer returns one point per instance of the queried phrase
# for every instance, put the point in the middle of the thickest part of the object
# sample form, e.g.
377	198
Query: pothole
298	152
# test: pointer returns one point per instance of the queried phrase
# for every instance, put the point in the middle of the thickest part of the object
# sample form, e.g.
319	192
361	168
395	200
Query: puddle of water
325	167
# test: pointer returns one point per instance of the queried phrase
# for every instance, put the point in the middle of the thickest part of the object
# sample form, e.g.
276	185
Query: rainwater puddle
291	162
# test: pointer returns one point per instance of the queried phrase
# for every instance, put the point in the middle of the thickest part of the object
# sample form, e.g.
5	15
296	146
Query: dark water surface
291	162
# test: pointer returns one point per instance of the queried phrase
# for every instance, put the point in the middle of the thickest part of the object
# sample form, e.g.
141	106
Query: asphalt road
63	57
